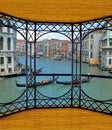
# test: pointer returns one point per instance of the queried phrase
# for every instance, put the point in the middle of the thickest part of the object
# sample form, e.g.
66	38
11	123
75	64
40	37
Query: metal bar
35	65
30	58
80	71
26	64
76	59
69	74
72	64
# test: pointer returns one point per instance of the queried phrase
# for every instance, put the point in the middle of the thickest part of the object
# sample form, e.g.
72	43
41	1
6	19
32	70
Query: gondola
110	71
38	71
74	81
41	83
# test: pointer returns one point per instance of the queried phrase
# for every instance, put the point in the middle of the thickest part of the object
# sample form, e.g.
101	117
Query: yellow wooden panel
57	119
57	10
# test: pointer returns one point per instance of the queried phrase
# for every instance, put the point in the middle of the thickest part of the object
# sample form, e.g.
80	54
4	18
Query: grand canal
97	88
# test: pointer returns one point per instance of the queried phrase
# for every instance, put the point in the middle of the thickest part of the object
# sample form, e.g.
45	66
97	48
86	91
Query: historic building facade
90	47
8	55
45	47
106	54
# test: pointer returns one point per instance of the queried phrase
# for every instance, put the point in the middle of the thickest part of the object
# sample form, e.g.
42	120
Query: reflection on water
97	88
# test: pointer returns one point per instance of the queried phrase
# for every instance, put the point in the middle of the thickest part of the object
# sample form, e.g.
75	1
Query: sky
48	36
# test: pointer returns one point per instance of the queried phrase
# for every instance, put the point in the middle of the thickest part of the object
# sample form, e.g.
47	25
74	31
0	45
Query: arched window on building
8	29
9	44
109	61
1	43
1	24
1	60
0	29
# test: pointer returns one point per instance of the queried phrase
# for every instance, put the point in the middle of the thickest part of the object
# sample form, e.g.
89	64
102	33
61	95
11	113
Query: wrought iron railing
75	96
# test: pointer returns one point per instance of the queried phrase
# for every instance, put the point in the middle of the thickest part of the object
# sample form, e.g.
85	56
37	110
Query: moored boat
38	71
41	83
110	71
74	81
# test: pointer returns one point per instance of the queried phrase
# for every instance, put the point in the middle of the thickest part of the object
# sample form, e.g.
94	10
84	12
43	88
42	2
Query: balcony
107	47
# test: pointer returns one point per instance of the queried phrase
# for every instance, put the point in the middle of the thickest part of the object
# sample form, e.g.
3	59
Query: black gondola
74	81
42	83
110	71
38	71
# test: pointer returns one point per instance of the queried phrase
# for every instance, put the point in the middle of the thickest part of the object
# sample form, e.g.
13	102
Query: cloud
53	36
19	36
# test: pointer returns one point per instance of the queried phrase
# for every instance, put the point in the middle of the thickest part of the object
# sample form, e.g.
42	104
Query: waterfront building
90	48
49	47
56	47
40	48
76	50
106	59
8	55
21	47
45	47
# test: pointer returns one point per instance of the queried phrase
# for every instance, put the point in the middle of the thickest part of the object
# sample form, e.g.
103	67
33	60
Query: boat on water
110	71
74	81
41	83
38	71
57	57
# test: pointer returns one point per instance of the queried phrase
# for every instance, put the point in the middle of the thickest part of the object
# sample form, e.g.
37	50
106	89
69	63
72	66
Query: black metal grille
96	105
75	97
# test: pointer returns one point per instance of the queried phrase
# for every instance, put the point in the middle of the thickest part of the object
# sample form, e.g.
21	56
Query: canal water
97	88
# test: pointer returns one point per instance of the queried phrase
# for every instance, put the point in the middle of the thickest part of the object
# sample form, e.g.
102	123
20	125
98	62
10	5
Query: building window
2	70
9	44
110	33
1	43
1	60
104	43
9	60
109	61
10	70
91	46
104	33
0	29
110	42
110	53
1	24
91	55
8	29
92	36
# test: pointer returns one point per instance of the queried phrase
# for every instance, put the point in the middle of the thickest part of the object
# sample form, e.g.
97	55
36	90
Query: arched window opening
9	44
1	43
1	22
8	29
109	61
0	29
1	60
